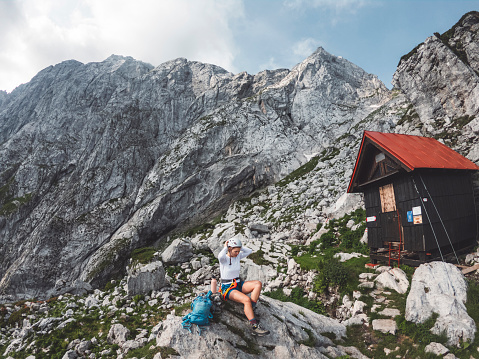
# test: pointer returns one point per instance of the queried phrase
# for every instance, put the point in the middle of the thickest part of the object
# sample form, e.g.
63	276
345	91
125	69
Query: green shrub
295	250
110	285
138	297
331	273
17	317
472	303
328	239
311	341
301	171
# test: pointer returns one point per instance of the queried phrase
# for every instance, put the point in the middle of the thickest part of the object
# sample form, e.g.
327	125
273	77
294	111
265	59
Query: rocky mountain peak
463	39
99	158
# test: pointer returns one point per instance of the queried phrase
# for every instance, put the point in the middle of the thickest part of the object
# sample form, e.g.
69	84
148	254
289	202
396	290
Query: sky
238	35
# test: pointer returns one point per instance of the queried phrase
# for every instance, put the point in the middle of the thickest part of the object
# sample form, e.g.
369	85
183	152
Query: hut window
380	157
382	166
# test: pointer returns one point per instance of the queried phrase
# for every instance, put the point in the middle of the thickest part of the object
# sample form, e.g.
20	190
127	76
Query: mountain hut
418	196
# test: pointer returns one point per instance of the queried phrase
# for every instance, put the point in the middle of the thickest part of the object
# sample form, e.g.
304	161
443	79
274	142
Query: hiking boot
258	331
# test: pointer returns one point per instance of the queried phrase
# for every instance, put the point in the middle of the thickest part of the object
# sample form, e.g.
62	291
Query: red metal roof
416	152
420	152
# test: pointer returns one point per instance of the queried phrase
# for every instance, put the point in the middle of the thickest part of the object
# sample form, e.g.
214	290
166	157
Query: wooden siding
372	203
452	194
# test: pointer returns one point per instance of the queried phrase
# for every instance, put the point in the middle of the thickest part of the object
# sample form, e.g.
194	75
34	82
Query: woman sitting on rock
233	288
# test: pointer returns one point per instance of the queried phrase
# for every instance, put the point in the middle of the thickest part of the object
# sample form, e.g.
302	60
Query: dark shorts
224	288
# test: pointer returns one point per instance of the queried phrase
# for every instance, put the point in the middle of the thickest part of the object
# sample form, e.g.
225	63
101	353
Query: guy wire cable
437	242
437	211
427	215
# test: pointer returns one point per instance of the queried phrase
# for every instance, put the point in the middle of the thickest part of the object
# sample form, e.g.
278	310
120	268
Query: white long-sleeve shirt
232	271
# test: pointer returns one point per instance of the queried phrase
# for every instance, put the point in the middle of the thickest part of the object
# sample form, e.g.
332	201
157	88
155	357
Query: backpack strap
200	328
186	323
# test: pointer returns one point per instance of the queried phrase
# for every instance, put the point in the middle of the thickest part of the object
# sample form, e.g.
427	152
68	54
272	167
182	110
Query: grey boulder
146	278
441	288
179	251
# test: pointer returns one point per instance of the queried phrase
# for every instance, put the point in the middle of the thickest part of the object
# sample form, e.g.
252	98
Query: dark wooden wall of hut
452	194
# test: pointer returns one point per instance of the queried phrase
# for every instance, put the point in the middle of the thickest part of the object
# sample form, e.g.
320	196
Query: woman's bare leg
239	297
254	287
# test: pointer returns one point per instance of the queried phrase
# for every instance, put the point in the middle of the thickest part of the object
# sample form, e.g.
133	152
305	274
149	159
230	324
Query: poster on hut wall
416	211
417	219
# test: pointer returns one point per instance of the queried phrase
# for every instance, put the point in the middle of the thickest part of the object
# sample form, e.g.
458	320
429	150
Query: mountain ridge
81	144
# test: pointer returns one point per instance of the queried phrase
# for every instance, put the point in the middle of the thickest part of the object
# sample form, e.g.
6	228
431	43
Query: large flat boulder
290	325
394	279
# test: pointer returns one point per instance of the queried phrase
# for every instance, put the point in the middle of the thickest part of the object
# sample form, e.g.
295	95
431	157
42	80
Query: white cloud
271	64
37	33
305	48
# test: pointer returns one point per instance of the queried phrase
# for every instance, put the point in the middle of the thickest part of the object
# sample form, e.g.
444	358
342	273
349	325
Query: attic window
380	157
382	166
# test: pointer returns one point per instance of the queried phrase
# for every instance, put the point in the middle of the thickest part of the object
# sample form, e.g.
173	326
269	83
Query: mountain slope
98	159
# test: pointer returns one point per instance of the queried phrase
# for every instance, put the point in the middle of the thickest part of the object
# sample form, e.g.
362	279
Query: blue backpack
201	313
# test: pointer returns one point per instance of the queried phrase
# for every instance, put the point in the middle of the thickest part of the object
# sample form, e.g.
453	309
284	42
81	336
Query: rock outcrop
440	78
178	252
440	288
144	279
231	336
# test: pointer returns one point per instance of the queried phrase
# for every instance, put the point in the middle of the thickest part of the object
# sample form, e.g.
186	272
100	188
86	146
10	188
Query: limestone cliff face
97	159
440	78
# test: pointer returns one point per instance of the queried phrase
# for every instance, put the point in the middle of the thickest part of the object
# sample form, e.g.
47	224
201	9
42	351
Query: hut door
388	201
389	217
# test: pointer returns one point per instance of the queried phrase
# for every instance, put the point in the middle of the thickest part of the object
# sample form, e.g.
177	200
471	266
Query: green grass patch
372	343
299	172
17	316
179	310
409	115
420	332
14	204
142	255
206	228
258	258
